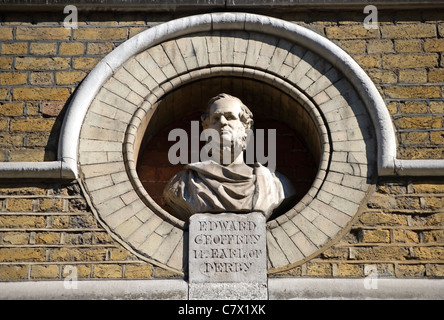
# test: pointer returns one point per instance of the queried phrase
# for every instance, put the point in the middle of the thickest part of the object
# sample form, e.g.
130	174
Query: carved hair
245	116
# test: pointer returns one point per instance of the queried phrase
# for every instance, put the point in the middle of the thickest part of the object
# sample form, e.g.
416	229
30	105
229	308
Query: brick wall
41	64
45	227
405	60
399	232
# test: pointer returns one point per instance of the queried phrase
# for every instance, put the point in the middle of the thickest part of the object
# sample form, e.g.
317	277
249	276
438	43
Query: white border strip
66	166
355	289
95	290
278	289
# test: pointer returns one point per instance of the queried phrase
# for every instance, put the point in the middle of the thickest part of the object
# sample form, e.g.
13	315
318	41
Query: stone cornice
184	5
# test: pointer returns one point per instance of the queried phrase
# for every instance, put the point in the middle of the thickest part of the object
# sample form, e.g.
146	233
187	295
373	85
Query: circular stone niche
299	144
162	79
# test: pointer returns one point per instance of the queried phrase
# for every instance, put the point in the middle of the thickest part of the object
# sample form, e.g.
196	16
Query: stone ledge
278	288
182	5
355	289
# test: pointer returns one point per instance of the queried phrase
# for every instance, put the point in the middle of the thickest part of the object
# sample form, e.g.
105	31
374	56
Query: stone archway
326	92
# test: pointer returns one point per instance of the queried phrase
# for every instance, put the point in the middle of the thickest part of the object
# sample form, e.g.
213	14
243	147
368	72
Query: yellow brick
70	77
71	48
107	271
12	78
413	76
85	63
61	222
119	254
412	92
32	125
421	153
103	238
407	46
405	236
19	204
43	33
435	270
163	273
47	238
437	137
437	106
413	107
367	61
428	188
43	48
33	155
434	45
32	63
5	63
83	271
6	33
382	76
378	236
409	270
41	78
22	254
392	107
7	140
51	204
39	93
351	32
409	61
135	30
44	271
408	31
349	270
138	271
429	253
22	221
414	137
15	48
22	190
379	46
78	238
3	124
434	203
436	75
353	46
11	109
72	254
39	140
32	108
100	48
433	236
100	34
381	253
420	122
13	272
15	238
319	269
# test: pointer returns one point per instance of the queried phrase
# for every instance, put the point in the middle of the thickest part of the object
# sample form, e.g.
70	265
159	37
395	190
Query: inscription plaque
229	251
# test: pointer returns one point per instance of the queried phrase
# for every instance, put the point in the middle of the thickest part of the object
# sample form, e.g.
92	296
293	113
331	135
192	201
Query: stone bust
225	183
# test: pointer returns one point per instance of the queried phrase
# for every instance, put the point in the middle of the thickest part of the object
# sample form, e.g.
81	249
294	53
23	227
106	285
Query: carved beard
231	148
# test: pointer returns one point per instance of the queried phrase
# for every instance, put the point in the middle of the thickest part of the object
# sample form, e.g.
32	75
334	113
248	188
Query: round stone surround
120	112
